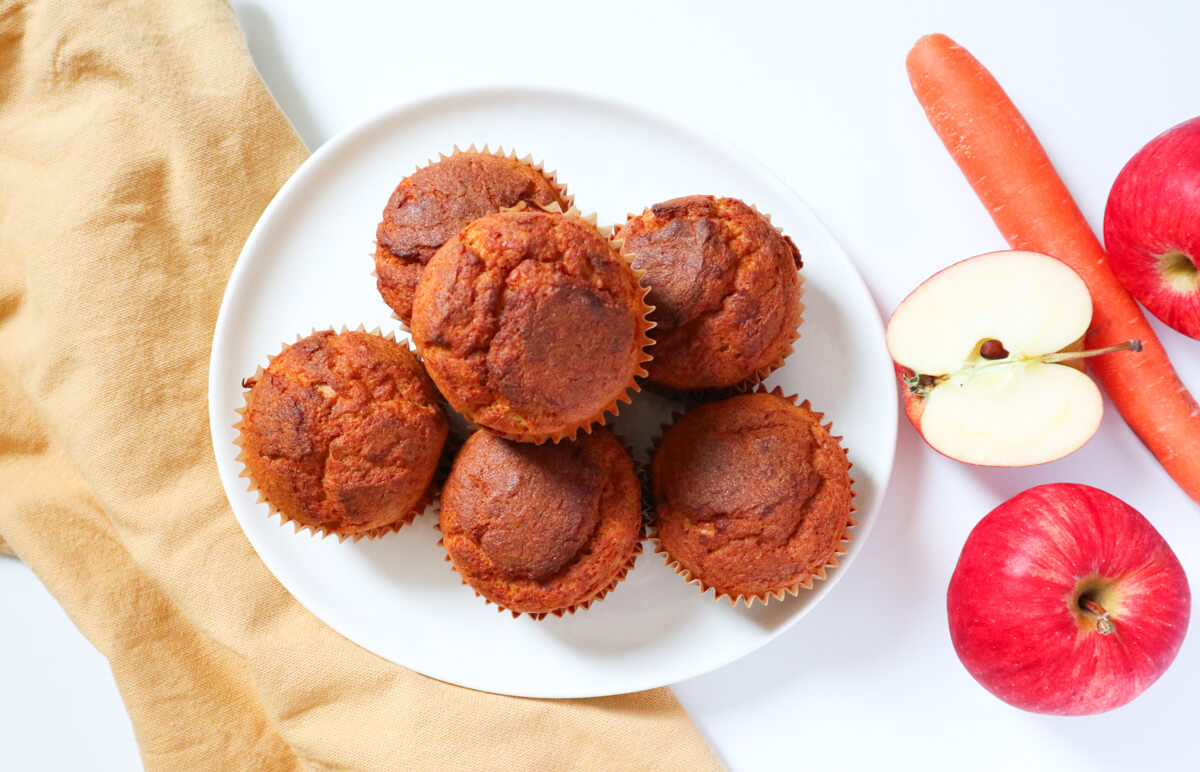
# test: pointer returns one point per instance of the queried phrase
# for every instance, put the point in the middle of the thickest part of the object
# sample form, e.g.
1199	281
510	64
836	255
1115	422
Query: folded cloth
137	147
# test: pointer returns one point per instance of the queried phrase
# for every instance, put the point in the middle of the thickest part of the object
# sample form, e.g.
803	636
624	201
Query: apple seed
992	349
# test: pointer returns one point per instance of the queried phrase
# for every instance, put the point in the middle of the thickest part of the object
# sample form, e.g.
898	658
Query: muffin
531	324
724	287
542	529
342	434
434	203
752	496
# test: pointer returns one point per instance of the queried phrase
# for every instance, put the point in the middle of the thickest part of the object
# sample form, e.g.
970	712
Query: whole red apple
1066	600
1152	227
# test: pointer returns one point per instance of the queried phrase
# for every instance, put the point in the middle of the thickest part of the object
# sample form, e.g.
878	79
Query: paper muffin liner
645	473
760	375
428	498
580	606
638	548
525	160
643	342
714	393
803	583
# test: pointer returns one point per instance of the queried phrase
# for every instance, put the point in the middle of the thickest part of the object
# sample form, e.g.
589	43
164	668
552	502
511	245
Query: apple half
985	351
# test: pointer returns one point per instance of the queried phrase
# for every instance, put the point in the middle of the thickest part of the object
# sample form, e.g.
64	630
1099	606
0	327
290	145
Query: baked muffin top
753	495
531	324
435	202
541	528
342	433
724	288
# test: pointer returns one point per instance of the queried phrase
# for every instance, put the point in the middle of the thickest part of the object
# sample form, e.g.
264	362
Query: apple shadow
268	59
1153	732
1114	446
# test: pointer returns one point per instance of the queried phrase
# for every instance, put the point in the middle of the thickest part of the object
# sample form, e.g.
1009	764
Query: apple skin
1154	210
1014	616
914	406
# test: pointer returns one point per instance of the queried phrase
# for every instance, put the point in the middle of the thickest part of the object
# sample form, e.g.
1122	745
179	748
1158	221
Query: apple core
1179	271
1090	604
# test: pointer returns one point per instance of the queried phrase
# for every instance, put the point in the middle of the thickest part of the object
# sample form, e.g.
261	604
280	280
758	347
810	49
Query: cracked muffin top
531	324
724	287
753	496
342	434
434	203
541	529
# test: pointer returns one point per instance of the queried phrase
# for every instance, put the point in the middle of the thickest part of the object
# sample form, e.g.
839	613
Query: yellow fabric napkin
137	148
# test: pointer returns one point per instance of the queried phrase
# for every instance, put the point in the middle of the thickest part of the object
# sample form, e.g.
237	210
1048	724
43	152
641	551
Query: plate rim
431	101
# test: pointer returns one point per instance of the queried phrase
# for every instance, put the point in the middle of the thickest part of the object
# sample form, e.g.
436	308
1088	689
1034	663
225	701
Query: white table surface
819	92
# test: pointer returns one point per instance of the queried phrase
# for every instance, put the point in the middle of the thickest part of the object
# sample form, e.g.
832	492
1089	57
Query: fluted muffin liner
749	385
638	548
525	160
714	393
793	589
580	606
427	499
644	471
643	342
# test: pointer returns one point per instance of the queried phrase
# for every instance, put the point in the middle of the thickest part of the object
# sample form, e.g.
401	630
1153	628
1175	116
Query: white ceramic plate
308	264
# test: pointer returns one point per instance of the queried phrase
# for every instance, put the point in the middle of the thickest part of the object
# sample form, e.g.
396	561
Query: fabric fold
137	148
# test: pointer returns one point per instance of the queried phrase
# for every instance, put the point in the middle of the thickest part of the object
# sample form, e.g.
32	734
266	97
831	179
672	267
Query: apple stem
1064	356
1104	625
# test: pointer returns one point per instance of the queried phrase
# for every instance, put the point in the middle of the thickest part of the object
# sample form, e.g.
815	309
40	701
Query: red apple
1066	600
1152	227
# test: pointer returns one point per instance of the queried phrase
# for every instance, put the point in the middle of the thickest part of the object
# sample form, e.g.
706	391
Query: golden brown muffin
725	290
541	529
434	203
531	324
753	496
342	434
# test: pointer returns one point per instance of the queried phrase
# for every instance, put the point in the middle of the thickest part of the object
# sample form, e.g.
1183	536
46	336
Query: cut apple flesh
972	342
1031	303
1026	413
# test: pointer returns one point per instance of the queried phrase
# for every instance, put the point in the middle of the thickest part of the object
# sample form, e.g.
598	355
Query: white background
869	679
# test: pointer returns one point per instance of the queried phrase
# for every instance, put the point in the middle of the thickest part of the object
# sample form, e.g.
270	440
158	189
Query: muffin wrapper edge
804	583
571	609
643	344
427	500
525	160
713	393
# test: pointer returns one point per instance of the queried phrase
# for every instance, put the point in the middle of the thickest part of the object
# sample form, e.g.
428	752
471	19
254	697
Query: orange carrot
1009	171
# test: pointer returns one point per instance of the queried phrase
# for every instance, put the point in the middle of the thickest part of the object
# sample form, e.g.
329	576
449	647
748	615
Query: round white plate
308	264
